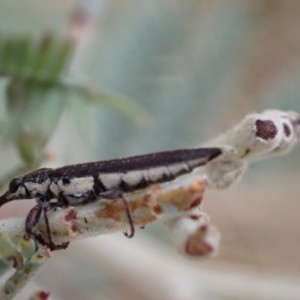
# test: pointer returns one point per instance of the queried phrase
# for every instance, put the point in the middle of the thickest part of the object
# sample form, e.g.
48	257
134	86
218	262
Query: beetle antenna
5	198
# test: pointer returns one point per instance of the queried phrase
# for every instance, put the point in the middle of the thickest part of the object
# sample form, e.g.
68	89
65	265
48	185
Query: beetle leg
61	201
51	245
32	220
115	194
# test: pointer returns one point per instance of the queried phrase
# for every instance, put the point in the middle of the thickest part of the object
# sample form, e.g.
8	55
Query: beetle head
29	186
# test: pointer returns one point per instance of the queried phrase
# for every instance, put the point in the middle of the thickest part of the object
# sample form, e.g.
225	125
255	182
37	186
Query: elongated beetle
84	183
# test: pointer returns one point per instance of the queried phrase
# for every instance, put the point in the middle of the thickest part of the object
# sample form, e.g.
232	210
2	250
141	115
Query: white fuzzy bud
258	136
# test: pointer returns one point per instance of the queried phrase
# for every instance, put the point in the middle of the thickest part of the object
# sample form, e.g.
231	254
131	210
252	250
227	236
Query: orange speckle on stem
196	202
43	295
157	209
74	228
71	215
147	197
196	246
247	151
113	211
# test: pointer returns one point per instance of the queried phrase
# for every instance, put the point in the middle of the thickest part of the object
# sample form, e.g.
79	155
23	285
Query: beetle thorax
38	182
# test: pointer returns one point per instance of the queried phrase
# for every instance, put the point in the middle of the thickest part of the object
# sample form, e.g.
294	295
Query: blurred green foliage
37	92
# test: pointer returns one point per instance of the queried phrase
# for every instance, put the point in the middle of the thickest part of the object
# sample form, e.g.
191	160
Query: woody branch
178	202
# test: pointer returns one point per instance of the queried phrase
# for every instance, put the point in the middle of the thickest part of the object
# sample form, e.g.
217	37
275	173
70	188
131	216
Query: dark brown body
83	183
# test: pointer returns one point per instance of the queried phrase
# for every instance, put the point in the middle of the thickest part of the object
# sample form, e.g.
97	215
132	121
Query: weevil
84	183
